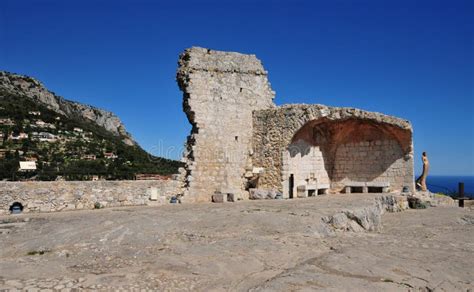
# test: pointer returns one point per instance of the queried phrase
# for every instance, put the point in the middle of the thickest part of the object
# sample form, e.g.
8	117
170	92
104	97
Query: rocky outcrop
367	218
262	194
433	200
26	86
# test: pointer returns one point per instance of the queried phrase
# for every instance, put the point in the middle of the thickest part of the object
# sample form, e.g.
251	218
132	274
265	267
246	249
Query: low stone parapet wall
72	195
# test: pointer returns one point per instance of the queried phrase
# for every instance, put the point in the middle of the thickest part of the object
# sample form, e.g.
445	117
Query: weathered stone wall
73	195
276	130
370	161
221	90
307	163
237	129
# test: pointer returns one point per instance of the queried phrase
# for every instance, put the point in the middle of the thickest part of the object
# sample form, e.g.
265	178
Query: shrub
416	203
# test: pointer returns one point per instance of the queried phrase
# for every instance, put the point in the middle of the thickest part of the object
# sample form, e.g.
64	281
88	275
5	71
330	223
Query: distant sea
449	184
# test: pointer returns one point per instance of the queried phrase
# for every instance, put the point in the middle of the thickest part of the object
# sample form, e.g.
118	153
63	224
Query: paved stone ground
259	246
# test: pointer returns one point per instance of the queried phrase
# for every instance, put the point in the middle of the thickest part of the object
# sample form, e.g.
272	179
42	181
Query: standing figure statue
421	181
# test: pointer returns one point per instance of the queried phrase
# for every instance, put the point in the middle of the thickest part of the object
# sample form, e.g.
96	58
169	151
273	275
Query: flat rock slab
253	245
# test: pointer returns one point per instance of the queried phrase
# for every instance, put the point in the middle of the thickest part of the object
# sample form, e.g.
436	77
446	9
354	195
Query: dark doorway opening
291	185
311	193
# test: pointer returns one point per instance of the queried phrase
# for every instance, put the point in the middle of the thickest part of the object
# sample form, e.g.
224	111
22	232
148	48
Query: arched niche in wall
335	152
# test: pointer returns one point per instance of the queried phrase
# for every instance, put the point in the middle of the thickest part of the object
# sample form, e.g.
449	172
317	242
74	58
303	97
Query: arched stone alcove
334	145
329	154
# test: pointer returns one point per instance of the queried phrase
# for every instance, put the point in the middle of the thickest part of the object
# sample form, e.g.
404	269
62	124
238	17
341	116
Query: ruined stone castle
241	142
243	146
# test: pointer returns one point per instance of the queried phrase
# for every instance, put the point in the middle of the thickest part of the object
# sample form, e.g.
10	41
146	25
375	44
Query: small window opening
16	208
237	138
240	89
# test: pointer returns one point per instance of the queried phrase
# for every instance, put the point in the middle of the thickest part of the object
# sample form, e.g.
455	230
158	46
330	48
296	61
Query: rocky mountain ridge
45	137
17	84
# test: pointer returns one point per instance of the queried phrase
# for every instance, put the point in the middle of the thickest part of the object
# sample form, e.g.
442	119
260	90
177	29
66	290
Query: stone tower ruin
221	91
241	142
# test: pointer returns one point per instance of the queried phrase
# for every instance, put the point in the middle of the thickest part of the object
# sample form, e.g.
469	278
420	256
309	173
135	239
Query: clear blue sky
413	59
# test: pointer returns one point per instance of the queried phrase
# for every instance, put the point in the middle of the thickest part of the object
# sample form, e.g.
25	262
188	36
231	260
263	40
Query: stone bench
366	187
312	190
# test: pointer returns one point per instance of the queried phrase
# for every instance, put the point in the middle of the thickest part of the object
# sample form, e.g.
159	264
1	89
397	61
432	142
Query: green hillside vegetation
69	147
